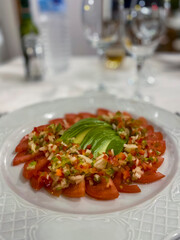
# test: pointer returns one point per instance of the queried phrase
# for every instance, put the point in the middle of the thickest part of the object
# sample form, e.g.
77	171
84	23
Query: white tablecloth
82	74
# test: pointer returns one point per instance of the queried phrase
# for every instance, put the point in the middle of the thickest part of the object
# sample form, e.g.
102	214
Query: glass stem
101	86
139	67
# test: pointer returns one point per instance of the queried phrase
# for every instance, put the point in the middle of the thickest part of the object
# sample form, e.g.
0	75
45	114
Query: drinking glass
100	20
143	27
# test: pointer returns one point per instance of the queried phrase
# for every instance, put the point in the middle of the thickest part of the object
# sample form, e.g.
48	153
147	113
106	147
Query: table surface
83	74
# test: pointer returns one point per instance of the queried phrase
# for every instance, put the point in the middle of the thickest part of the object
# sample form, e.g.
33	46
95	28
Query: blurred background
9	29
127	48
10	15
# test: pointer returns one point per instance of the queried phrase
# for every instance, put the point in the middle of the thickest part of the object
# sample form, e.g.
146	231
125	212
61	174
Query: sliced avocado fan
99	134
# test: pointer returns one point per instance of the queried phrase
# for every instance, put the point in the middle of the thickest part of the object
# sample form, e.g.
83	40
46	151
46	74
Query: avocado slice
82	126
92	137
98	134
79	138
116	144
102	144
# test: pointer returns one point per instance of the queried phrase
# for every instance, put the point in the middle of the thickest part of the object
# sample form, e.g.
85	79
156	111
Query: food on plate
99	154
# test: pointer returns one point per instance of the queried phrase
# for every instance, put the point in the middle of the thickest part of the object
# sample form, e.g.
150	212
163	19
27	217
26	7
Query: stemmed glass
100	20
143	27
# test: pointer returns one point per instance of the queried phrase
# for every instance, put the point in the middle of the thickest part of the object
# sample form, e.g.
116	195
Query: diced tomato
133	152
146	166
120	123
121	155
126	174
23	145
83	115
103	111
41	163
22	157
103	190
89	146
143	121
141	151
157	146
75	190
149	177
59	172
113	160
72	118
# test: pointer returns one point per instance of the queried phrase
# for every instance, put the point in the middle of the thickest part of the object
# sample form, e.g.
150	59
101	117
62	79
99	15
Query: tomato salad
66	168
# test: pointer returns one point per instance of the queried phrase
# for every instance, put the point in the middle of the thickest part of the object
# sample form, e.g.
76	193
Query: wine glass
143	27
100	20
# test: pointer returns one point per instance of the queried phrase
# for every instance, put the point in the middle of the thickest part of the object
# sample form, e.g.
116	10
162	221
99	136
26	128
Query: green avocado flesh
98	134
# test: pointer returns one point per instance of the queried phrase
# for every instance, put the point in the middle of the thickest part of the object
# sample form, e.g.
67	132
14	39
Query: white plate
151	214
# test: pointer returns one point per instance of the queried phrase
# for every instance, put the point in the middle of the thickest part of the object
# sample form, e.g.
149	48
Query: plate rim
83	96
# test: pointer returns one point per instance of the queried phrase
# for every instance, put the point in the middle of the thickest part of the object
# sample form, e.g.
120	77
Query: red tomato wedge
23	145
41	163
53	192
35	183
103	111
123	187
40	180
126	188
22	157
155	136
158	145
72	118
149	177
75	190
27	173
57	121
143	121
159	162
83	115
150	129
118	179
102	191
41	128
127	114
